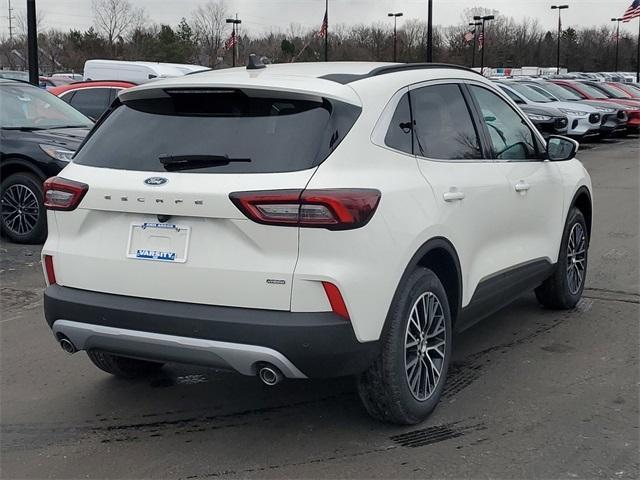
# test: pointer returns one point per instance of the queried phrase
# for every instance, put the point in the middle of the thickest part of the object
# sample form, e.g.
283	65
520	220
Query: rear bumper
318	344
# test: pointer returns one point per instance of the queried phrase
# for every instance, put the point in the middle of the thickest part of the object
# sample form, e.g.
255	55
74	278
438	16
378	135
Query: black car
548	120
39	134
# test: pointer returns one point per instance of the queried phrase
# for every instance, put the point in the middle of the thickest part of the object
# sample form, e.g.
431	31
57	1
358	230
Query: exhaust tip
270	375
67	346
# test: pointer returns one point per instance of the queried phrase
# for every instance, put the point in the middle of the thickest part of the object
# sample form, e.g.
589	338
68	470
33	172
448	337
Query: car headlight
539	118
605	109
578	113
57	152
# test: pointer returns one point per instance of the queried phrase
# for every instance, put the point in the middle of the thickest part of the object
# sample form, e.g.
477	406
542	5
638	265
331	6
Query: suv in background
311	220
39	134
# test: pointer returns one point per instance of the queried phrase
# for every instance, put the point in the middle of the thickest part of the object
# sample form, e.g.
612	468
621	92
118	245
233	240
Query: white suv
310	220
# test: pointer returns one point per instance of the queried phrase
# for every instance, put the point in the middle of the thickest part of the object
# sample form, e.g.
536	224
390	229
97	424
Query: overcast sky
263	15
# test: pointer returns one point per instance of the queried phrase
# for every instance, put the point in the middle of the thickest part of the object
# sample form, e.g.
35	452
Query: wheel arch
18	165
440	256
582	201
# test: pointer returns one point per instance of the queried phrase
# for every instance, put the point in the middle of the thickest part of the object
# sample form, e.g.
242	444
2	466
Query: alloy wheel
576	258
19	209
425	346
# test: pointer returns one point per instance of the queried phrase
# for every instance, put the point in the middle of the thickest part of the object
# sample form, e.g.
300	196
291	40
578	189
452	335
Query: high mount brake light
63	194
335	209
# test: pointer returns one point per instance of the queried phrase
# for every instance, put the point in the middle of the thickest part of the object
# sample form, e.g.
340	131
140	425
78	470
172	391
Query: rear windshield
227	131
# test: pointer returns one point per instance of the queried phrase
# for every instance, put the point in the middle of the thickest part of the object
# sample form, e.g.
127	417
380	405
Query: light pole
559	8
430	32
617	20
475	26
484	19
32	43
395	33
234	22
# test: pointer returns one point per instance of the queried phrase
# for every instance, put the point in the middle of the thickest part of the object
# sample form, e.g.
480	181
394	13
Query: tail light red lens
48	267
337	209
335	299
63	194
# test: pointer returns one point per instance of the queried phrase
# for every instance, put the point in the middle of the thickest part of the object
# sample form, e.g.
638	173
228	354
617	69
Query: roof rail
345	78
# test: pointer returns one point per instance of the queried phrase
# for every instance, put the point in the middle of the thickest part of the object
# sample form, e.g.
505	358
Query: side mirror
561	148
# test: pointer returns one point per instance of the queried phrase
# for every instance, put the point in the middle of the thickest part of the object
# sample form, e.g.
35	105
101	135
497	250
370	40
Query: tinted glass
511	137
593	92
560	93
612	91
443	126
91	101
399	135
25	106
512	95
529	93
263	135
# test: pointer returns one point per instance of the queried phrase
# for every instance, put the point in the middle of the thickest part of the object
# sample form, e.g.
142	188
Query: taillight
338	209
63	194
335	300
48	267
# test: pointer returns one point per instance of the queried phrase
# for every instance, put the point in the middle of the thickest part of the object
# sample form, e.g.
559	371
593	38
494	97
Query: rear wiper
187	162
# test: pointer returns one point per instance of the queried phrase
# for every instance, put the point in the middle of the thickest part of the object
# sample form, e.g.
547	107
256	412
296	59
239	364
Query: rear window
253	134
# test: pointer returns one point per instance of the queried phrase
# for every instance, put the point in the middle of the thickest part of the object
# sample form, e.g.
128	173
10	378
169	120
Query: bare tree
209	25
114	19
21	21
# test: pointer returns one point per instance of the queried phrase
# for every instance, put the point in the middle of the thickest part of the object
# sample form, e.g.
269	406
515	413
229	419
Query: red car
589	92
632	91
91	98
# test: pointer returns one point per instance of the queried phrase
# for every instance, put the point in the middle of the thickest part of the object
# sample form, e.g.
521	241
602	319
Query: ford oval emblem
155	181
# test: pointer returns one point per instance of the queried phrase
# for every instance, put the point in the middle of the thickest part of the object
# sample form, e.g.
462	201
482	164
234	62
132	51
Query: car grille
594	118
622	115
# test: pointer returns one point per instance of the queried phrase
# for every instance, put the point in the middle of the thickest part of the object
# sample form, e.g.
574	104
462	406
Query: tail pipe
67	345
270	375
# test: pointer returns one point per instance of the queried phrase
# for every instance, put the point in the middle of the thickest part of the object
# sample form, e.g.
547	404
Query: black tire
25	186
556	292
123	367
384	388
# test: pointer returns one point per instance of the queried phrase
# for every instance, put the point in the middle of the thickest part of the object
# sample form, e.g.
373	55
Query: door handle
522	186
453	195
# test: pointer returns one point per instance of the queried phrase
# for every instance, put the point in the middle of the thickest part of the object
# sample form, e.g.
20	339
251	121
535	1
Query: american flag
469	36
632	12
231	42
325	26
481	40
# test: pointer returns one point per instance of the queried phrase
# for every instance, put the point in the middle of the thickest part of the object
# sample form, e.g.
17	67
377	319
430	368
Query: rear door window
222	131
443	128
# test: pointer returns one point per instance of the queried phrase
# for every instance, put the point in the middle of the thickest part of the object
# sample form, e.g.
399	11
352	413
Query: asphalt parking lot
533	393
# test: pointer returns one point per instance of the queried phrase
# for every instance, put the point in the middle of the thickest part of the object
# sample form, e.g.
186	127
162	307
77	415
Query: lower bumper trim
155	346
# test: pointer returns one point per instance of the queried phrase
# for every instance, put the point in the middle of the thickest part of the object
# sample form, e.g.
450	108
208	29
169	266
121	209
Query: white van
135	72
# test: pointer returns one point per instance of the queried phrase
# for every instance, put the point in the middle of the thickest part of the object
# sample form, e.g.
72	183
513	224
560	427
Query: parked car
611	92
584	120
38	135
135	72
91	98
548	120
613	117
588	92
314	220
627	89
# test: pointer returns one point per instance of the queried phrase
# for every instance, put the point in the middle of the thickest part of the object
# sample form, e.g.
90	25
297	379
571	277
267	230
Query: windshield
529	93
592	92
218	132
542	91
25	106
612	91
561	93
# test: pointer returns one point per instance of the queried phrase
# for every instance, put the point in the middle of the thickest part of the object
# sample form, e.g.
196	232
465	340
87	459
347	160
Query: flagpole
638	55
326	35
